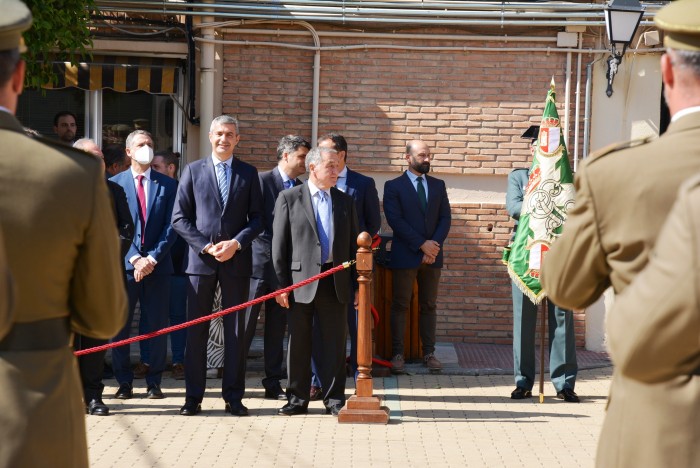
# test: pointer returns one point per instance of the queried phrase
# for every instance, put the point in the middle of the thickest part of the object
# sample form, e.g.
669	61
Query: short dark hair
291	143
114	154
689	59
8	64
338	141
63	114
170	158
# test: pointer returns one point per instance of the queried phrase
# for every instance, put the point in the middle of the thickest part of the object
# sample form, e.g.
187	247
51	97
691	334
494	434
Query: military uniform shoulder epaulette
620	146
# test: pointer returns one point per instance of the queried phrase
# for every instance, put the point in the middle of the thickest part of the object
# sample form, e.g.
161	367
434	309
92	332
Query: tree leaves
59	33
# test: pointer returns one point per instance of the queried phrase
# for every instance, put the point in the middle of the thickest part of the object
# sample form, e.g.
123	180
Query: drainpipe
206	85
578	101
587	111
567	98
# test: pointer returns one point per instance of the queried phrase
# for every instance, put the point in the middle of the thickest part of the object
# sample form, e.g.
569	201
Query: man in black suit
291	153
92	365
418	210
315	228
218	212
148	264
364	191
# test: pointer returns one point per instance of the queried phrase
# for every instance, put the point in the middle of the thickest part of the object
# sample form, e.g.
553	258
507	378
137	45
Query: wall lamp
622	19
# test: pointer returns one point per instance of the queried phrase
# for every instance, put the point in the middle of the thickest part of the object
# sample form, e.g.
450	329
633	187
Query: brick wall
471	108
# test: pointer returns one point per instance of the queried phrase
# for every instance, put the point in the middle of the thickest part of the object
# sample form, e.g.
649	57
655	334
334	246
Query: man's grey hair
83	142
132	136
686	58
224	120
316	155
290	143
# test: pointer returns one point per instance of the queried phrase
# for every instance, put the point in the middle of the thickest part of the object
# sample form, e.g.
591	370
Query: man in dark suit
315	228
418	211
291	153
148	264
218	212
364	191
92	365
63	254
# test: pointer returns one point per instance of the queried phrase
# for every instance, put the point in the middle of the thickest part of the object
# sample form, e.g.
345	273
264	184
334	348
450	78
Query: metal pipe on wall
567	97
206	88
578	101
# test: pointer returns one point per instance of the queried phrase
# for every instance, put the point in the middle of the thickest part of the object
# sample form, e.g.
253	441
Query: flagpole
543	321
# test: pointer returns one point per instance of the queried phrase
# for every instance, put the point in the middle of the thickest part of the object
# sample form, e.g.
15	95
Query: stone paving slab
436	421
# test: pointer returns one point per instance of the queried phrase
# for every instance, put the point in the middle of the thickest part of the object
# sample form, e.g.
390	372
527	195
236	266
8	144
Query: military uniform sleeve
514	195
98	302
575	271
654	325
6	292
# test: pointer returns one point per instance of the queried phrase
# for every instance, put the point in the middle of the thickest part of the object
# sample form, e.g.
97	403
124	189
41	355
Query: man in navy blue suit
148	264
291	154
418	212
218	211
364	191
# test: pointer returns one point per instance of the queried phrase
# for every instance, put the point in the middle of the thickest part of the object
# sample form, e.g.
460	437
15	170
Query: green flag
548	196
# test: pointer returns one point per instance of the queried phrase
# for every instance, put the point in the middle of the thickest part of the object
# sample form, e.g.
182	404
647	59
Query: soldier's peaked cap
680	21
14	20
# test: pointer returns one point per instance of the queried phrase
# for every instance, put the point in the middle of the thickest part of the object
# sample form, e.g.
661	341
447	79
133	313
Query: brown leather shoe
397	364
316	393
431	362
140	370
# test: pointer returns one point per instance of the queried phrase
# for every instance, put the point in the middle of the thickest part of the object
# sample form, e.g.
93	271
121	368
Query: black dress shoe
275	393
520	393
568	395
292	410
236	409
124	392
190	408
154	392
97	407
334	410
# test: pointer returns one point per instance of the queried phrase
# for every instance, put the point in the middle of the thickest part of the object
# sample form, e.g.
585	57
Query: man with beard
65	126
418	211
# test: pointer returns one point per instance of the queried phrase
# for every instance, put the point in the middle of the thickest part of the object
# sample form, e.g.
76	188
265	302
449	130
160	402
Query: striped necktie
222	179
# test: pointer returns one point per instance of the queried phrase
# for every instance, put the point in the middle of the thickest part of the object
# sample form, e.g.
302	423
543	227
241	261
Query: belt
41	335
326	266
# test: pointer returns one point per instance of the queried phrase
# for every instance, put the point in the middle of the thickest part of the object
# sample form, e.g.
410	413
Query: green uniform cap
680	21
14	20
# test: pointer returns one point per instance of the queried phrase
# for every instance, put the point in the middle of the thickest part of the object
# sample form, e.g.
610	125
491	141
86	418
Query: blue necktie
323	224
289	183
222	179
422	199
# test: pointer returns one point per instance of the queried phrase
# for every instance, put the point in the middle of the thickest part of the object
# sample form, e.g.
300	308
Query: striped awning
124	74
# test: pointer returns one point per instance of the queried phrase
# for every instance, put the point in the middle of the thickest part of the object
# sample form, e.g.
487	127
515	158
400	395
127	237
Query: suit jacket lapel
277	177
307	203
433	194
411	190
131	197
234	182
210	175
154	185
350	187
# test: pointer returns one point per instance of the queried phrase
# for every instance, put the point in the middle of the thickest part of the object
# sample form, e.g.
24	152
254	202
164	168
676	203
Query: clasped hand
430	250
142	268
224	250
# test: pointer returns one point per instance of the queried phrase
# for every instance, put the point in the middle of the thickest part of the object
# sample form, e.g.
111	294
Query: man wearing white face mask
151	197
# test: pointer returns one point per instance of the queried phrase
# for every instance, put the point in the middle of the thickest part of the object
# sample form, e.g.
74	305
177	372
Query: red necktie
142	207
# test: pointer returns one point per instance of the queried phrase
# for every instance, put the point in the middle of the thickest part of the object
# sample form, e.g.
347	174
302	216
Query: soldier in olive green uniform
623	196
63	253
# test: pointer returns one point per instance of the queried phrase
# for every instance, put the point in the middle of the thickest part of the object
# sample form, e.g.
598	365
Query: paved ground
463	417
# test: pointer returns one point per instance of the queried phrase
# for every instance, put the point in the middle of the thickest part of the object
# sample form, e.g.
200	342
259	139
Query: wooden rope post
364	407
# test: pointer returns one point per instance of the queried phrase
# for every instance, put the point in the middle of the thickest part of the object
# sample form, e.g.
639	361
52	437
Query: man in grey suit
563	367
218	211
315	228
291	154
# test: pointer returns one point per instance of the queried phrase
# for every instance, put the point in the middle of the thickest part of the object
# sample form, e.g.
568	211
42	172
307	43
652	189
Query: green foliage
59	32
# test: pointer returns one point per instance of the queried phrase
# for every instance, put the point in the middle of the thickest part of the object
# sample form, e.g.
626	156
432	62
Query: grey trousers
562	343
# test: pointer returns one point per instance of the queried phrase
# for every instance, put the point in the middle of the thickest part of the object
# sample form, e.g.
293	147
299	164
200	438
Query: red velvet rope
220	313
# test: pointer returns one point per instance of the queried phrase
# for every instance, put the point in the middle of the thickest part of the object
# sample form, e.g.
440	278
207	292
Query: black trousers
331	315
273	338
200	300
91	366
